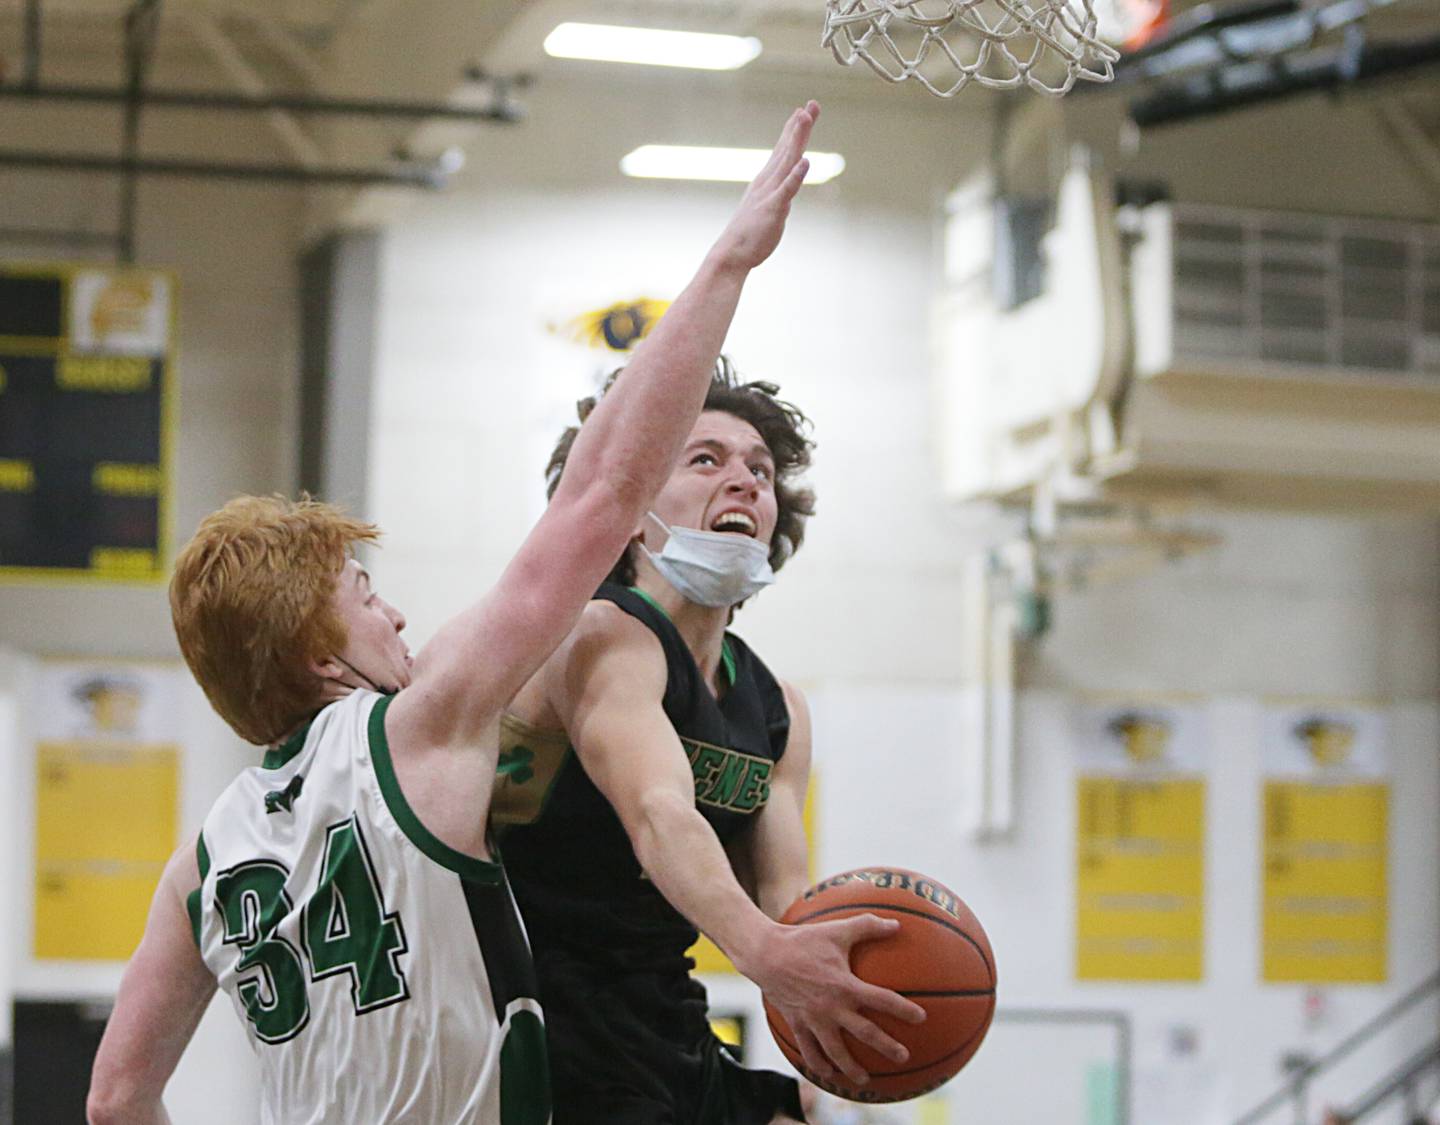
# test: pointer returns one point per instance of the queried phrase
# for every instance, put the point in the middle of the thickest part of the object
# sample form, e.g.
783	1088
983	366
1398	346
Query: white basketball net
945	45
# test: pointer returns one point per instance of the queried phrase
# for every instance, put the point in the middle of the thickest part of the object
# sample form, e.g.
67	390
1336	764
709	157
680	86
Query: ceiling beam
500	110
31	74
1243	84
404	176
300	144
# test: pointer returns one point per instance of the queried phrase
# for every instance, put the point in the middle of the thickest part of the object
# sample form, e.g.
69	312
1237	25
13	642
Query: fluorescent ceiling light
650	46
695	162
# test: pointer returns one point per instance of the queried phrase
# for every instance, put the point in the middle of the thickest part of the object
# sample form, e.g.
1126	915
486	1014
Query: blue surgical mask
711	568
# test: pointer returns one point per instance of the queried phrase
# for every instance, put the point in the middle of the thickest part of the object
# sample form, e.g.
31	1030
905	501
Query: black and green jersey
627	1026
574	872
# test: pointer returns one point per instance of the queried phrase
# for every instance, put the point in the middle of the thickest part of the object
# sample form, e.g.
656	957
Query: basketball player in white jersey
343	893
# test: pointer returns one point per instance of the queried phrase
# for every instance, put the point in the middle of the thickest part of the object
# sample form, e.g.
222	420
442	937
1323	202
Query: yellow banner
1140	878
105	824
1326	903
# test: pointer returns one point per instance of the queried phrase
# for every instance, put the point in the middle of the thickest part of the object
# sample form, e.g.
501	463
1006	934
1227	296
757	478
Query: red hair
252	600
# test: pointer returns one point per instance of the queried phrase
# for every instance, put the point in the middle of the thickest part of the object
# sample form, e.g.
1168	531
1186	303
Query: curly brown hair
781	426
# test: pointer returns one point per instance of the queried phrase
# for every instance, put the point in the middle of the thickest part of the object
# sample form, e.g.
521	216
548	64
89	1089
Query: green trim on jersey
524	1071
193	899
277	756
727	658
466	866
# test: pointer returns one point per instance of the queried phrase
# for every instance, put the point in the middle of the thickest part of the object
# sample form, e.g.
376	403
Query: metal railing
1403	1080
1297	1086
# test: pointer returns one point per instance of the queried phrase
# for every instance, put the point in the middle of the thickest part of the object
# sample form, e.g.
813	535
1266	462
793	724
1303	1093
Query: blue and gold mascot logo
618	327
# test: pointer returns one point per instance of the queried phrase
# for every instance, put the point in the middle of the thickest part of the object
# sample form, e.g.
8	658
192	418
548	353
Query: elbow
608	507
113	1101
612	486
103	1106
617	493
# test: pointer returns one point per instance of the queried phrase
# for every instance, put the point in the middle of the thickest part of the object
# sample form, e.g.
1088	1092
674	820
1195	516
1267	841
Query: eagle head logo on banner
1329	742
112	703
1145	738
618	327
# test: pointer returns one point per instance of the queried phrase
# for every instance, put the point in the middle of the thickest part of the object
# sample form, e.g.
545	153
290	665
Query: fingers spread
795	179
834	1045
804	123
879	999
782	155
872	1036
789	148
813	1054
868	927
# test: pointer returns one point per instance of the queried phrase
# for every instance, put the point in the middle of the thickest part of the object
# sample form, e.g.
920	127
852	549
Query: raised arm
607	684
624	451
162	996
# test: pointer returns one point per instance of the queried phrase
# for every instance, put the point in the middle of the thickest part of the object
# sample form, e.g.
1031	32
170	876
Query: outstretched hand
805	975
755	230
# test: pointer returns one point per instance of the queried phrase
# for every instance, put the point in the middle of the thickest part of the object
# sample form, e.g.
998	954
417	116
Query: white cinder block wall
232	250
868	617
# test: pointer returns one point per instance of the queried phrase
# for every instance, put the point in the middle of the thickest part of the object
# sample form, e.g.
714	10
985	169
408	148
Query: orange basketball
940	958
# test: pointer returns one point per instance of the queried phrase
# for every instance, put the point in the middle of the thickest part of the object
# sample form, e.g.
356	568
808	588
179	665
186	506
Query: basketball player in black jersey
651	773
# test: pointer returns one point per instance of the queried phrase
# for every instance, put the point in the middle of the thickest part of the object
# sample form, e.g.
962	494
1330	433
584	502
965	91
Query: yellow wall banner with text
106	804
1140	842
1326	845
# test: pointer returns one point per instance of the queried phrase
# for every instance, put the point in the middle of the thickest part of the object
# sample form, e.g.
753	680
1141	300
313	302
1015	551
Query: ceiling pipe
31	74
415	177
504	112
55	236
142	25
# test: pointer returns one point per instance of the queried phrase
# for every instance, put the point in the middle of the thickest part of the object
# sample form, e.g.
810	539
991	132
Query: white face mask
712	568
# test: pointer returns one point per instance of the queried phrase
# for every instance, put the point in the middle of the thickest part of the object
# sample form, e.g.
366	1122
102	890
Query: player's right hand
755	229
805	974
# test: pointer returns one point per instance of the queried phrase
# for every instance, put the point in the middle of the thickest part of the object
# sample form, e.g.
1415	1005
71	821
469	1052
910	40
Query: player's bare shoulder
796	704
609	649
604	626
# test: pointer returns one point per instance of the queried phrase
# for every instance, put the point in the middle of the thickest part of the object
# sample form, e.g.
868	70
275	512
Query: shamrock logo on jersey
514	764
283	800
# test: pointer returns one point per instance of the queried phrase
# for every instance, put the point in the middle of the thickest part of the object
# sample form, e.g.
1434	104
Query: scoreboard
86	411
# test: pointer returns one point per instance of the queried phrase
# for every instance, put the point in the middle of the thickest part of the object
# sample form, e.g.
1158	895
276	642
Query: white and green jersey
381	975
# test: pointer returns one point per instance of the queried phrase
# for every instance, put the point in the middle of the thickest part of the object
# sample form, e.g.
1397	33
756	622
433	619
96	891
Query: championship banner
1140	841
1326	845
106	803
